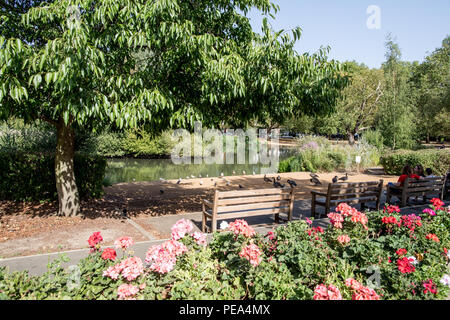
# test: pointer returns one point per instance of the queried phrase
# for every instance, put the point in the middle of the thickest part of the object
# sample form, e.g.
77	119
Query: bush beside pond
28	176
381	255
320	154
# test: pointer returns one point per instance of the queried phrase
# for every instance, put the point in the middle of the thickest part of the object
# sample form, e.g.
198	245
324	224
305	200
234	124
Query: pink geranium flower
200	238
127	291
162	258
124	243
321	292
181	228
252	253
343	239
241	227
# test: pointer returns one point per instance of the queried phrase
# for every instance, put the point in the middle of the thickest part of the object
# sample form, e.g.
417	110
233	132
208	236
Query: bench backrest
350	190
425	185
238	203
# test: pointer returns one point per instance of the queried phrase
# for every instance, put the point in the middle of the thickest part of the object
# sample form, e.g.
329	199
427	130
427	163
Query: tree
395	118
162	63
431	83
361	100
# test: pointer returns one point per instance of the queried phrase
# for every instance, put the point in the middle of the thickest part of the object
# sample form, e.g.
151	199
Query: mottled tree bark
68	197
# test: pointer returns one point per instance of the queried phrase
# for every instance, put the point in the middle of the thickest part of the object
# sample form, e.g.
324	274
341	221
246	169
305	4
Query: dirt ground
35	227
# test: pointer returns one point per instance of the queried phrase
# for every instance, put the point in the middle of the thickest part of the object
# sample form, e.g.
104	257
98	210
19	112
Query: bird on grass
335	179
267	179
292	183
345	178
315	181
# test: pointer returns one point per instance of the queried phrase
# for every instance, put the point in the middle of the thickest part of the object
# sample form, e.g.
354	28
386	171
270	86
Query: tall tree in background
431	84
356	111
395	118
87	63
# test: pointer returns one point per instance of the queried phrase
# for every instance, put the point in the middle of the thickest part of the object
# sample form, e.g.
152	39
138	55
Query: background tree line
401	103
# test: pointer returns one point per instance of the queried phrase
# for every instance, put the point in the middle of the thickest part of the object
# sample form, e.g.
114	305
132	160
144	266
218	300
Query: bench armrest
319	193
208	203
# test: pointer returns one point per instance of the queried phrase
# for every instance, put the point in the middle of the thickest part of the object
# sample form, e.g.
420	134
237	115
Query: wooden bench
417	187
347	192
245	203
447	187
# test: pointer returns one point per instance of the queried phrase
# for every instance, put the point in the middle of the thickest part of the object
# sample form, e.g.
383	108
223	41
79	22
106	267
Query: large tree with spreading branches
159	63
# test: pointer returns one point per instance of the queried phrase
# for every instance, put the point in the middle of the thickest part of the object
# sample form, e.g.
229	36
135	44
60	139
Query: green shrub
374	138
437	160
319	154
28	176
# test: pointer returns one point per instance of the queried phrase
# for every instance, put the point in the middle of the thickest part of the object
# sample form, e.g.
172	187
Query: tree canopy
85	63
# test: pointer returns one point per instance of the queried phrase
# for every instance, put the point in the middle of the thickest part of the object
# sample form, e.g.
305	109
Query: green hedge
26	177
437	160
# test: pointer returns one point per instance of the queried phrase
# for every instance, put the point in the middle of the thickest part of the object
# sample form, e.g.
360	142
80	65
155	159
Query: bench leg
203	219
313	206
214	223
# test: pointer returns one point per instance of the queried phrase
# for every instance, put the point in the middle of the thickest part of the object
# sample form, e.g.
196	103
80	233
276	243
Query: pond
131	169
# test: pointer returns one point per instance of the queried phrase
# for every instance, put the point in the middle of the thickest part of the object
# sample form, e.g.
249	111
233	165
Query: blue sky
419	27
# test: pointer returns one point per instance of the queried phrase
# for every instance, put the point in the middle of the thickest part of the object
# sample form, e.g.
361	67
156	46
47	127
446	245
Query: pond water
130	169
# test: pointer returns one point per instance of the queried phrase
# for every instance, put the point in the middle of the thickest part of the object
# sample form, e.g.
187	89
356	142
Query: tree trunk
351	138
68	198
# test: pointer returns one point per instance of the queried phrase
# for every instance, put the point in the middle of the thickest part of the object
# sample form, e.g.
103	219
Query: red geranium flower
94	239
109	253
405	266
437	203
401	252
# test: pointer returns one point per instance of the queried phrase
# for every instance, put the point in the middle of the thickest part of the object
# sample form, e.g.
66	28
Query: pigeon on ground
278	178
241	187
201	182
292	183
124	212
179	181
335	179
267	179
315	181
313	175
276	184
161	191
345	178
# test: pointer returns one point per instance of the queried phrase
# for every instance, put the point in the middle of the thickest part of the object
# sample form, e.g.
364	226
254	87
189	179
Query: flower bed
381	255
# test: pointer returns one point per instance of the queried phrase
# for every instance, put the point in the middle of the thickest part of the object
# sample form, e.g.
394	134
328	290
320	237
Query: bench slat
354	184
223	216
348	200
243	193
263	198
251	206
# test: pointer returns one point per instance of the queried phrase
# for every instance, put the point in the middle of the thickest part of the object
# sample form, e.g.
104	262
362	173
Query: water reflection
129	170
